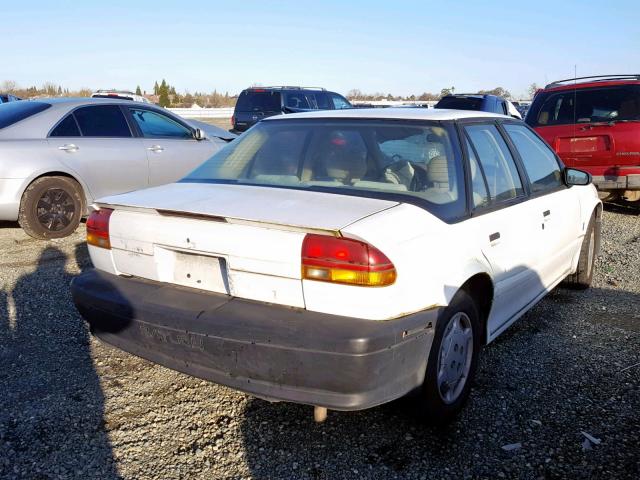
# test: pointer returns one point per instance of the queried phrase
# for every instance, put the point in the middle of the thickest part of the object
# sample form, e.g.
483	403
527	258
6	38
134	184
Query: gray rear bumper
269	351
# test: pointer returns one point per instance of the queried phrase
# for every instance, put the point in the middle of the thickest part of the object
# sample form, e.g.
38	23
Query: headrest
438	170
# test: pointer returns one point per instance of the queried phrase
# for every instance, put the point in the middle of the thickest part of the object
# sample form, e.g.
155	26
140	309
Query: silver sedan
58	155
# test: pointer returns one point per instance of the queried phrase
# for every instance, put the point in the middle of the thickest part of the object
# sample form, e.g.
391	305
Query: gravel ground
71	407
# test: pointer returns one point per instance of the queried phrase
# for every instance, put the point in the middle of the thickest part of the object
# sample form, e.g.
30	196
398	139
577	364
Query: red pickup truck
593	123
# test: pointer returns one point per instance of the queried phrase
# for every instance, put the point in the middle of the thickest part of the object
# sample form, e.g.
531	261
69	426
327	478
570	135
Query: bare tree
8	86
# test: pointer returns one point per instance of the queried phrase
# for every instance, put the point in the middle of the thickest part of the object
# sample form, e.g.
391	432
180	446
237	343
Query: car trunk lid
236	239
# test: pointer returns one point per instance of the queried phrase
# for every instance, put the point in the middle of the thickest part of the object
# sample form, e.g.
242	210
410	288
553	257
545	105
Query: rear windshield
258	102
460	103
589	105
13	112
417	162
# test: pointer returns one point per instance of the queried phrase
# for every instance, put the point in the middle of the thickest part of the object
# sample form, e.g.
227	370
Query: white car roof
391	113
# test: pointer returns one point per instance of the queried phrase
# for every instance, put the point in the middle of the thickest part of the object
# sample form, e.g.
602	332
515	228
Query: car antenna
575	97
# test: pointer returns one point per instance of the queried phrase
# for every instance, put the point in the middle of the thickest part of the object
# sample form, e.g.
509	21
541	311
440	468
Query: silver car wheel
55	209
454	358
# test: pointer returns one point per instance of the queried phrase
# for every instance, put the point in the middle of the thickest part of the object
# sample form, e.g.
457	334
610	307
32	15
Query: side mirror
573	176
199	134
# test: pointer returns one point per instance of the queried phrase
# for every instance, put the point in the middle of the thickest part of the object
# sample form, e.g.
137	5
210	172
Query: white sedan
342	259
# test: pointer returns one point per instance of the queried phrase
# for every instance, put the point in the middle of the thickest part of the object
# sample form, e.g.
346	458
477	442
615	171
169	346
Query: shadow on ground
51	403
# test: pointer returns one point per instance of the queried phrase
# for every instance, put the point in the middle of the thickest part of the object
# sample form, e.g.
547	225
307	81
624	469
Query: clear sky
398	47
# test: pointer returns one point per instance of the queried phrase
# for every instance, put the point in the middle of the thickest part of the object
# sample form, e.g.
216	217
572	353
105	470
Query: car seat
438	179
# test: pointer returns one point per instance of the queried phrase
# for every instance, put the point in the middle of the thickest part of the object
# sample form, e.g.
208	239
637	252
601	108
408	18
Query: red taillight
98	228
233	120
342	260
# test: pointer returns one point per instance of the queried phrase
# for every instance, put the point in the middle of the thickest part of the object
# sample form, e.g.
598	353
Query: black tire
433	407
583	276
51	207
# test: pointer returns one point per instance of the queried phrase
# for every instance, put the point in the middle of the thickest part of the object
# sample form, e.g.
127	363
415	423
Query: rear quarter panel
25	160
432	258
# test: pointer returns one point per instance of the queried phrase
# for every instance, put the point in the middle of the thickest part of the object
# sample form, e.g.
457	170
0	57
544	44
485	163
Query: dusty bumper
266	350
617	182
10	193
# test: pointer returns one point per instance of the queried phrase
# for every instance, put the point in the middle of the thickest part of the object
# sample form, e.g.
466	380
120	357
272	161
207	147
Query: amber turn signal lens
98	228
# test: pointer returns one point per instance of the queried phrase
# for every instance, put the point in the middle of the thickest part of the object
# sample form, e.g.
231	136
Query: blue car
7	97
479	102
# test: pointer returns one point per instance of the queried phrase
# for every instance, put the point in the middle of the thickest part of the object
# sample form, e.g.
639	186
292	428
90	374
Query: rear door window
497	162
297	100
156	125
102	121
66	128
320	100
255	101
13	112
539	161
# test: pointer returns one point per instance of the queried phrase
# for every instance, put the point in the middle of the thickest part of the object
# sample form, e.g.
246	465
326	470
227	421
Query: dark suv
593	123
479	101
7	97
254	104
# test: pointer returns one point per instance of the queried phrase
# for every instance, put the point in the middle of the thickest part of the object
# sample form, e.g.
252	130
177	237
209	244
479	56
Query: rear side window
480	194
102	121
254	101
339	102
586	106
66	128
153	124
318	100
539	161
498	165
13	112
297	100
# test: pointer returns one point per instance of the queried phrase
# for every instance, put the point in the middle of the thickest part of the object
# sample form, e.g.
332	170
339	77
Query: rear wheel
453	361
583	276
51	207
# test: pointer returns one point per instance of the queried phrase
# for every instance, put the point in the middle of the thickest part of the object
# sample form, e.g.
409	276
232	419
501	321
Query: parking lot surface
71	407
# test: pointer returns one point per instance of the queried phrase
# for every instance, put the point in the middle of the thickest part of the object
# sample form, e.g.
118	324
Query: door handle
155	148
546	213
69	147
494	236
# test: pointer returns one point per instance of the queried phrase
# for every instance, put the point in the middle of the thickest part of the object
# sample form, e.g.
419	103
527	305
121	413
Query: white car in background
342	259
119	94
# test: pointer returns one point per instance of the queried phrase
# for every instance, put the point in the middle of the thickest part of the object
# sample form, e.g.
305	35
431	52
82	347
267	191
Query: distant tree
156	89
138	91
8	86
446	91
188	100
354	94
164	100
498	91
533	88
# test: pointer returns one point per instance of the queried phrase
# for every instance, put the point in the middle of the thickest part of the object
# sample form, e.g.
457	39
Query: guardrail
395	103
203	112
